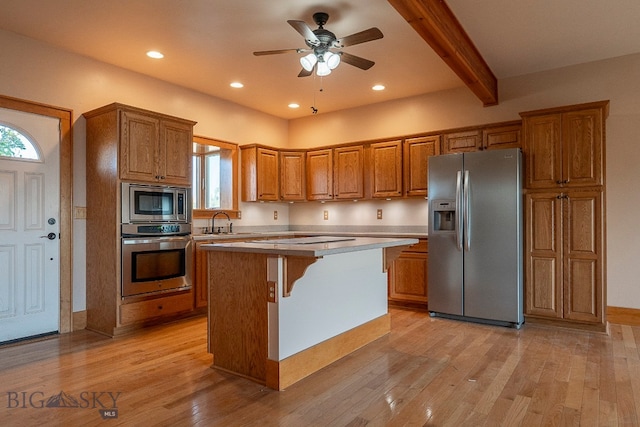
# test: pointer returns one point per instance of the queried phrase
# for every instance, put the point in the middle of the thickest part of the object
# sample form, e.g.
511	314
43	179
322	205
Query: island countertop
315	246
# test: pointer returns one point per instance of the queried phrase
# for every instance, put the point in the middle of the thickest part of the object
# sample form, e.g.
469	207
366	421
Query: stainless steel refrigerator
475	267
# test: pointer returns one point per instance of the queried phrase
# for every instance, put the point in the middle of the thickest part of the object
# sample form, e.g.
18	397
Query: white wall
44	74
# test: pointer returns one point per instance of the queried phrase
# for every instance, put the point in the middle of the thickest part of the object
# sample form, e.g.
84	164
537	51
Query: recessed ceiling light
294	105
237	85
155	54
378	87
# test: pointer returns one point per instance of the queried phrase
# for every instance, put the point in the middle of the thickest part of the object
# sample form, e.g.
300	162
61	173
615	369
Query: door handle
50	236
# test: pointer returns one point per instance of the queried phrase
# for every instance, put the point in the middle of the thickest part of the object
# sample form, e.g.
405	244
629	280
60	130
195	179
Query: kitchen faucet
213	218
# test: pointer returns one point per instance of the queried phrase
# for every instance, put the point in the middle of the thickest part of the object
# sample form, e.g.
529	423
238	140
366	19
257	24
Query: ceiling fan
324	47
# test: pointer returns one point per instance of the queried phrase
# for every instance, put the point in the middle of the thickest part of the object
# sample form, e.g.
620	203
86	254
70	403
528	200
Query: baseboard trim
79	320
286	372
623	316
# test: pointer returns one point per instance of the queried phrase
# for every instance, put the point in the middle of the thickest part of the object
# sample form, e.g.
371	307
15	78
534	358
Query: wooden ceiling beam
439	27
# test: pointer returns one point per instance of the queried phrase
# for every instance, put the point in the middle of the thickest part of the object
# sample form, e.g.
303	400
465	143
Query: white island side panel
337	293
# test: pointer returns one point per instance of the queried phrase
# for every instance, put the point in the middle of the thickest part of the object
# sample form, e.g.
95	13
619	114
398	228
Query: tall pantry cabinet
128	144
564	215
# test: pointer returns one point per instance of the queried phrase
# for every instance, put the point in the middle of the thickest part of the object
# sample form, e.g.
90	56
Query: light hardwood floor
425	372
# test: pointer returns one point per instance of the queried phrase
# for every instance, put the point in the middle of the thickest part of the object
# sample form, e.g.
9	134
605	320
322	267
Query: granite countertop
269	234
316	246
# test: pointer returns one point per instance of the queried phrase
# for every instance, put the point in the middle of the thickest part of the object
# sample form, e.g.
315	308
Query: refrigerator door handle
459	210
467	212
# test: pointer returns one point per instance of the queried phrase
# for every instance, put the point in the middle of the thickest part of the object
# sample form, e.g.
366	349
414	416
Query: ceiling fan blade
275	52
361	37
356	61
305	31
305	73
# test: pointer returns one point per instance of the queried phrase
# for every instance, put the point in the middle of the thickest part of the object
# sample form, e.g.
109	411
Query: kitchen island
282	309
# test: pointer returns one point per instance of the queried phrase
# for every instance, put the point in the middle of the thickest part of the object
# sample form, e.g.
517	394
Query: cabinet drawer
144	310
421	246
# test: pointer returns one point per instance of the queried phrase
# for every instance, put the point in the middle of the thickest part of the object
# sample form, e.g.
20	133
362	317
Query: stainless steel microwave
154	203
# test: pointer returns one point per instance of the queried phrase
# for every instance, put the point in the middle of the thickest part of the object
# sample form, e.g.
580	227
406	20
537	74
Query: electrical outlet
239	214
271	297
326	215
379	214
275	214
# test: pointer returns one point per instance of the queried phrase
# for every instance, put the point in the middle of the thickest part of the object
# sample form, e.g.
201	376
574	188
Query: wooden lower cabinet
147	310
201	274
407	276
564	265
201	268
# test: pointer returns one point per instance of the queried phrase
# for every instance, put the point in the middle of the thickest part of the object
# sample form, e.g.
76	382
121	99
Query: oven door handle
147	240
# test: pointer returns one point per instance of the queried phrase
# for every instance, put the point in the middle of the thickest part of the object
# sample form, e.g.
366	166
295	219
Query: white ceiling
209	43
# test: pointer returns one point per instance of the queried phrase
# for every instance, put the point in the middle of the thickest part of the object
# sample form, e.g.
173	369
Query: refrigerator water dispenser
444	215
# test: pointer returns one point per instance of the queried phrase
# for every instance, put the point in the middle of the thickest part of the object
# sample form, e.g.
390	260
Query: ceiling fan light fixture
323	69
332	59
308	61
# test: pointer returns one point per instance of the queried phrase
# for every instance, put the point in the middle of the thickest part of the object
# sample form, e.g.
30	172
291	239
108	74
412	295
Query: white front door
29	230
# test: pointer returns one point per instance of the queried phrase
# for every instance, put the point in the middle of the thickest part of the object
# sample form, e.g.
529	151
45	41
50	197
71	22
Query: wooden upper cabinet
348	172
461	142
416	153
502	137
176	145
292	175
543	151
499	136
138	143
260	173
582	147
320	174
155	149
385	172
564	147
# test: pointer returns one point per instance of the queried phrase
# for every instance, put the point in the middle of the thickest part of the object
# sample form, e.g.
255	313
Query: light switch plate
80	212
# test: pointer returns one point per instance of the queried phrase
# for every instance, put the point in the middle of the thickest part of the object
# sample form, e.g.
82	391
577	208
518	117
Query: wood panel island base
280	310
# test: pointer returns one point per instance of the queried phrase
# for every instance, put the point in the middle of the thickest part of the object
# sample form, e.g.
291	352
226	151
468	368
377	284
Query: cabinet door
175	153
201	276
348	172
267	174
460	142
582	148
416	163
386	169
583	281
407	276
292	175
543	255
502	137
543	151
139	135
320	175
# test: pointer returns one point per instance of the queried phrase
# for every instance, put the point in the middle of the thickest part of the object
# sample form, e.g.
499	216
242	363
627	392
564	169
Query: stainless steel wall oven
153	264
156	239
